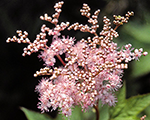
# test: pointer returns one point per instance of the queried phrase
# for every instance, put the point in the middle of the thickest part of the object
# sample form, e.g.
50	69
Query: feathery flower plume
92	68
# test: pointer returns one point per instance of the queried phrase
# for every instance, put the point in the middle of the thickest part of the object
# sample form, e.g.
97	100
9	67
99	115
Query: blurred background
17	84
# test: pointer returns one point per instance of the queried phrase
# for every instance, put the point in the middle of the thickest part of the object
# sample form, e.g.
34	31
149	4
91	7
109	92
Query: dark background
17	83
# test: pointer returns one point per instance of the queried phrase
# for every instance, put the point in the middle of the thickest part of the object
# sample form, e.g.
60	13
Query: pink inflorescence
92	69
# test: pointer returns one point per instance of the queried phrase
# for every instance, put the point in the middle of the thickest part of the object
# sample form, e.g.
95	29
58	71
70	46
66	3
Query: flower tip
8	40
35	75
145	53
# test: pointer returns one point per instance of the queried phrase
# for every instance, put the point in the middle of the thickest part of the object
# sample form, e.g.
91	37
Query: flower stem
58	56
116	27
97	111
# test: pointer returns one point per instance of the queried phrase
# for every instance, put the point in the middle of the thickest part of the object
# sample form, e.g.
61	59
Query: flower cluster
92	67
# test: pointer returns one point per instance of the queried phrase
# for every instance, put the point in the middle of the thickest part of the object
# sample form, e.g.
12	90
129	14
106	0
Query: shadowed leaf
32	115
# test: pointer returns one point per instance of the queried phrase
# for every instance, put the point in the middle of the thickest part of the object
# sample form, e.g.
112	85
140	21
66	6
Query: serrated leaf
121	95
32	115
135	105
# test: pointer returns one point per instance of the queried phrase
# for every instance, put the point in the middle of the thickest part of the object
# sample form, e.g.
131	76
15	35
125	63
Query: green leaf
128	109
89	115
77	114
135	105
61	117
121	97
147	113
104	112
32	115
125	118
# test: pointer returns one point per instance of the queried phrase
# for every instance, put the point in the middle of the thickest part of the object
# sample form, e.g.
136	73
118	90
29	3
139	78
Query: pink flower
93	67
